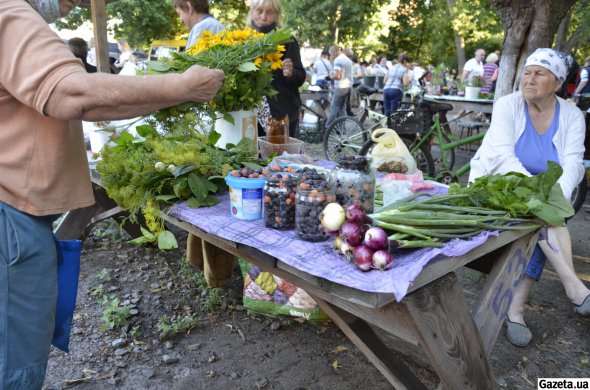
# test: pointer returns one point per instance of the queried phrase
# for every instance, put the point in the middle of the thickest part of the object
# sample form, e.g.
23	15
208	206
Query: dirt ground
229	348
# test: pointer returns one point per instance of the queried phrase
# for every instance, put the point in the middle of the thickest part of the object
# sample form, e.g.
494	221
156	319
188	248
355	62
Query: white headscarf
48	9
550	60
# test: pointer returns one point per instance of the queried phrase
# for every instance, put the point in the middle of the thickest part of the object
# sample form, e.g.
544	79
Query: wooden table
433	320
460	103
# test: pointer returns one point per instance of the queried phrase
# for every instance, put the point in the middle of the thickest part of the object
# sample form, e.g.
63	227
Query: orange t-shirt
43	164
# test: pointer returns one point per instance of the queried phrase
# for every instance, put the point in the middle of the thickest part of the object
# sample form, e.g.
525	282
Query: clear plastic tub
266	148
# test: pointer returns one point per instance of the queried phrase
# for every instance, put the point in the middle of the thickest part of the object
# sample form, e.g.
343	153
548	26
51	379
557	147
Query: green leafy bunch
247	64
538	196
477	81
139	172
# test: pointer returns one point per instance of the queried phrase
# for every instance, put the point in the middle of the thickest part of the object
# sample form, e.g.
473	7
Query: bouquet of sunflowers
246	56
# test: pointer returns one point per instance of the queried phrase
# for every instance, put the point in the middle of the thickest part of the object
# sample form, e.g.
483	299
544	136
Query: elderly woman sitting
529	128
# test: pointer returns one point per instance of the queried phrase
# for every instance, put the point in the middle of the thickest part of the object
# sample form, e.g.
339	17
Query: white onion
333	216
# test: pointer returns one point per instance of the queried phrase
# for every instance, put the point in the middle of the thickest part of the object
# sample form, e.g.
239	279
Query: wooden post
99	20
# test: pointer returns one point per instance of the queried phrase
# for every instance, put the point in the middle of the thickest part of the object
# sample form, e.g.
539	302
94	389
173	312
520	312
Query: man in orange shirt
44	92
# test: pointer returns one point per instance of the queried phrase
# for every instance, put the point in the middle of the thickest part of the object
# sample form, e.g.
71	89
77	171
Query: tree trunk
528	25
459	44
561	37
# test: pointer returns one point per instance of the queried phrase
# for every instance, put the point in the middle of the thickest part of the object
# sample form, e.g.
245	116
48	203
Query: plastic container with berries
279	197
313	194
353	182
246	193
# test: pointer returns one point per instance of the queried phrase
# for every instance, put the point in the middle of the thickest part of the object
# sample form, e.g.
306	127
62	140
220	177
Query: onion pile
367	247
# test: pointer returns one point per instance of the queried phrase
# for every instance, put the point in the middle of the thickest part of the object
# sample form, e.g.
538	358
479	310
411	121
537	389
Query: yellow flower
281	48
276	65
258	62
153	220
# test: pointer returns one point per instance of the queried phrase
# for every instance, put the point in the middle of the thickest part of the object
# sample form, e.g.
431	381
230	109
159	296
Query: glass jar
313	194
279	201
353	182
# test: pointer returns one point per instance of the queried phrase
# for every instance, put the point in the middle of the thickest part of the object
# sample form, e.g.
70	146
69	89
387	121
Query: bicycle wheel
424	161
344	137
579	194
422	155
436	154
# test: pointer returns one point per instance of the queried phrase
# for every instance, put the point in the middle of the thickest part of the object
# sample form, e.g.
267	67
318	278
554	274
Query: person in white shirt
342	76
195	15
474	67
322	69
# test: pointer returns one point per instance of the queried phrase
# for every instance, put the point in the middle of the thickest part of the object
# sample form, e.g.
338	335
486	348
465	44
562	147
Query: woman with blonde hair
265	16
125	55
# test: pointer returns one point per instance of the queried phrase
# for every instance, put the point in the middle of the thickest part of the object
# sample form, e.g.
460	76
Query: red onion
331	233
352	233
376	238
382	259
363	258
355	213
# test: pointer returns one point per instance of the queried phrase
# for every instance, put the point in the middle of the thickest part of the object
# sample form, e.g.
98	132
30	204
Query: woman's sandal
583	308
518	334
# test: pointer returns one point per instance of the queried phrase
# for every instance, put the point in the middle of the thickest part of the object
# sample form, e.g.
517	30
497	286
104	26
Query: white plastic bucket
98	139
244	127
472	92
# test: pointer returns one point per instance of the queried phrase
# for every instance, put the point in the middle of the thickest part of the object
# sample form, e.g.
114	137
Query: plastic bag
390	154
68	271
268	294
394	190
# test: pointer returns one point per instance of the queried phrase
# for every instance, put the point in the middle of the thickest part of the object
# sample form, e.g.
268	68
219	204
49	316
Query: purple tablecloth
320	259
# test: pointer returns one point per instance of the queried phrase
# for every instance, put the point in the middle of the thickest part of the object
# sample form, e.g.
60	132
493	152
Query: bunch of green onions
433	221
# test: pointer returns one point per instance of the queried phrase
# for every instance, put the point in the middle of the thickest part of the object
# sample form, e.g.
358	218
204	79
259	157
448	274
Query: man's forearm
94	97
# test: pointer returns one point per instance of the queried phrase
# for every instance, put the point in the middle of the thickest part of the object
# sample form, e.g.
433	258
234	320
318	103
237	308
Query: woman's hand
287	67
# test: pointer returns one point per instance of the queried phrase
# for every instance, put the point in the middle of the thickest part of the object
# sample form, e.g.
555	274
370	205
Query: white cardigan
496	154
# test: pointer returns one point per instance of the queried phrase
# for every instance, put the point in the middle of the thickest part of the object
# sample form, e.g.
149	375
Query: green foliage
323	23
176	324
247	60
142	20
232	13
104	275
579	26
213	299
113	315
424	29
97	291
537	196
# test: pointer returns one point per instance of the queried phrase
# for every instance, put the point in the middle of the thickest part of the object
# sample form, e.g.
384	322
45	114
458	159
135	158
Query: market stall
419	301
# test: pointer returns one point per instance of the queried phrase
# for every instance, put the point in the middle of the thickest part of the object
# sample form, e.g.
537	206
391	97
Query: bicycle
348	135
313	131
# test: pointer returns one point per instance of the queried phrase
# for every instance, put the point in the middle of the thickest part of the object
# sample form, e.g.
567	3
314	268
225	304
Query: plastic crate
294	146
417	120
